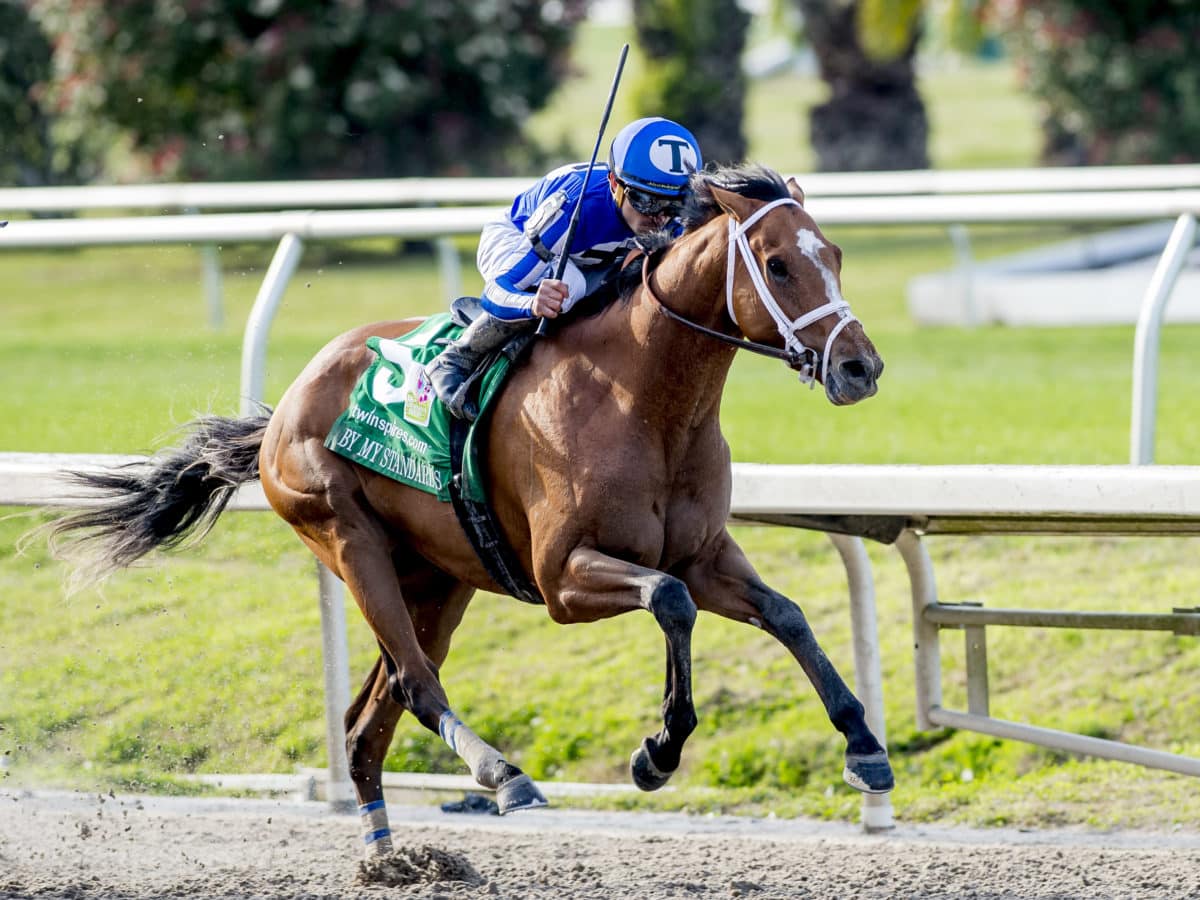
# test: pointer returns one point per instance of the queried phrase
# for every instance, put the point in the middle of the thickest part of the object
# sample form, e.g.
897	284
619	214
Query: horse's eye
778	268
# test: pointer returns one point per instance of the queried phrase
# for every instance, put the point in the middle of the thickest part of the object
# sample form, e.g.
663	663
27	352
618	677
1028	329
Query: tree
267	88
40	143
693	73
1118	82
866	52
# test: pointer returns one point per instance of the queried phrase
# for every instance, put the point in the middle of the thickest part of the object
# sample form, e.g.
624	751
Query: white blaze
810	245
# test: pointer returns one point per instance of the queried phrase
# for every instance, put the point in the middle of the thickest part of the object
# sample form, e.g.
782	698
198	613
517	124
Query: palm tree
693	71
874	118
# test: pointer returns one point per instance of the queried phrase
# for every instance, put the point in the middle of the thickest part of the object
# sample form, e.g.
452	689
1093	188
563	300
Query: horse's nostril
854	370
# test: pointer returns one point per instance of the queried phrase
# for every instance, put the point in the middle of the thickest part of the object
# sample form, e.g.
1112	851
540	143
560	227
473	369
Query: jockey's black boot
450	373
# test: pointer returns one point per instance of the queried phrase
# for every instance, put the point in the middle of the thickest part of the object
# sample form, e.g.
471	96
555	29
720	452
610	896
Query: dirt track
87	846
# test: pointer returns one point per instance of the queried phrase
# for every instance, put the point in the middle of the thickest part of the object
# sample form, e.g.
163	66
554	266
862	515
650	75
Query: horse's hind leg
414	639
370	724
436	605
726	583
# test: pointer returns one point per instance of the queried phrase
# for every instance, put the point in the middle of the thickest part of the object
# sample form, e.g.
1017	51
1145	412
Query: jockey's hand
550	296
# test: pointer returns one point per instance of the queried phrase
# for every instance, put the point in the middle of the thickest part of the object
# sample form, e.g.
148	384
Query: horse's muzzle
853	378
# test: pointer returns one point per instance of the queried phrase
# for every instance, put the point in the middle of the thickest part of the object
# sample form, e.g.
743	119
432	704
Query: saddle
394	425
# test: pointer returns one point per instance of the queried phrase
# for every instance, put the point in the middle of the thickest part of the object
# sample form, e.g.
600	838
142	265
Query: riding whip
561	266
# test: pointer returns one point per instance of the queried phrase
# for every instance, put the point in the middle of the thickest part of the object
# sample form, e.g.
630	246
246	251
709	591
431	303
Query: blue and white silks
512	264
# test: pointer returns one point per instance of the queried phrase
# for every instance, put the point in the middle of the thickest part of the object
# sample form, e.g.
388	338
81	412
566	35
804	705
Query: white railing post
964	268
1145	342
339	792
210	268
448	264
927	654
868	672
210	262
258	325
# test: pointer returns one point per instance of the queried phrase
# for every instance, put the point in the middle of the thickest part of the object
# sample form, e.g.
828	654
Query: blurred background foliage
866	52
308	88
1118	82
255	89
693	71
40	143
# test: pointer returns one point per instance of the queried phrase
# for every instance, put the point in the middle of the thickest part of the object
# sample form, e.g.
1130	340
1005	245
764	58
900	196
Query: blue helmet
655	155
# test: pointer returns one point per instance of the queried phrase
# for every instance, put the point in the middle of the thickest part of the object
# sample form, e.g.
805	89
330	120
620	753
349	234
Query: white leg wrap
475	752
377	836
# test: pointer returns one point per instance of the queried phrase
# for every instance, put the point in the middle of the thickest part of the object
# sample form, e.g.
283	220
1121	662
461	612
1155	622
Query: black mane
750	180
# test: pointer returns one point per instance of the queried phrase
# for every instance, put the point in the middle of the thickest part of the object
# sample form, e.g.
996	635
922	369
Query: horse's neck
676	370
690	279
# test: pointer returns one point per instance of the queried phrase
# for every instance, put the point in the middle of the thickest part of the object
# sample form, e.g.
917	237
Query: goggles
652	204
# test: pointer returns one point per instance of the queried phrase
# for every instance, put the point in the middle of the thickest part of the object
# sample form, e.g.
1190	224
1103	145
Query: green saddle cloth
395	424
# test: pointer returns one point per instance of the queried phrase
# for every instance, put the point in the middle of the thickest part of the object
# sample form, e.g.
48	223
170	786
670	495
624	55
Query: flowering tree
267	88
1118	82
40	143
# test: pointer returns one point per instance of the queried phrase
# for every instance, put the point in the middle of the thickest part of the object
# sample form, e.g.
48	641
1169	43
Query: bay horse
607	472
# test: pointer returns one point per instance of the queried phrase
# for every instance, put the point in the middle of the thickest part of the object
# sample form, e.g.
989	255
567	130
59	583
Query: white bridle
788	328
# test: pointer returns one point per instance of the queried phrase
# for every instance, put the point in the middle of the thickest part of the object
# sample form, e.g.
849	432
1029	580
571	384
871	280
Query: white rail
963	499
248	227
292	228
904	502
970	209
368	192
34	479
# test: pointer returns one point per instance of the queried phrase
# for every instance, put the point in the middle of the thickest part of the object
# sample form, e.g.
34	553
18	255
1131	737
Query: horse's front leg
595	586
724	582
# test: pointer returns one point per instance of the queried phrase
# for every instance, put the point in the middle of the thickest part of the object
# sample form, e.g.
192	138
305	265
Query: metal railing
33	479
904	501
292	228
370	192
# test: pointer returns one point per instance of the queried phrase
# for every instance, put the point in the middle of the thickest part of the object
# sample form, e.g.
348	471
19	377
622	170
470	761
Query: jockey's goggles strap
788	328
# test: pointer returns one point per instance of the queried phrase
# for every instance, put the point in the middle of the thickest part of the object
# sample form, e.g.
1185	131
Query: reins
787	356
795	353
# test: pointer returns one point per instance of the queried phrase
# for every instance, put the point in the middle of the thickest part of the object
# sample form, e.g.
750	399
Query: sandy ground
90	846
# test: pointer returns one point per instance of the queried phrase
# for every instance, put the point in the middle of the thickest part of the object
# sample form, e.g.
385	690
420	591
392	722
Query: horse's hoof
870	773
646	775
518	793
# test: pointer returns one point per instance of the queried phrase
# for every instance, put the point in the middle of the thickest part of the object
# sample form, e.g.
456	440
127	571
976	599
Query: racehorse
607	472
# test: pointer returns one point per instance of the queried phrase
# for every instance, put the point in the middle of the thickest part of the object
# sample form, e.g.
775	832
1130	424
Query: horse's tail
162	501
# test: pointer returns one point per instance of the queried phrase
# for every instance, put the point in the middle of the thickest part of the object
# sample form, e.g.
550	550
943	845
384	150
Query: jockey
641	189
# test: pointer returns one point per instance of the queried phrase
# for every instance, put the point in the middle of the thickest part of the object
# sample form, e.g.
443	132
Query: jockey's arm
517	264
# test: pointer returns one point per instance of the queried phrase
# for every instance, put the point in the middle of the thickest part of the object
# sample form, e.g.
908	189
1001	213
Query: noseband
795	353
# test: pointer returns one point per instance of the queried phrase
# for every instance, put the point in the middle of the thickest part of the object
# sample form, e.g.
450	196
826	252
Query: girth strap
482	529
477	519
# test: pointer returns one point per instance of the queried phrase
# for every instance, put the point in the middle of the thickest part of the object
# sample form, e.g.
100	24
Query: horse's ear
739	207
794	189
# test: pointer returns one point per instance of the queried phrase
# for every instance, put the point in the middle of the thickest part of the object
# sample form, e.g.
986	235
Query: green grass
209	660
